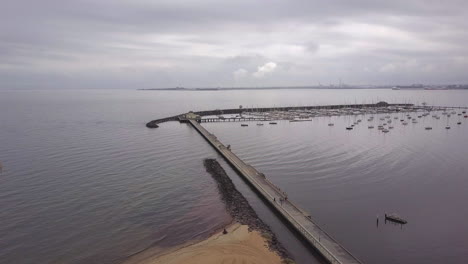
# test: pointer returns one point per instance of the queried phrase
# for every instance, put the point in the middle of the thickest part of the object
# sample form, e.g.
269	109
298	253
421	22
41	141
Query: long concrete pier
299	219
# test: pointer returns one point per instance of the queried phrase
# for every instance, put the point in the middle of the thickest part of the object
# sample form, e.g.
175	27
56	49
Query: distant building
382	104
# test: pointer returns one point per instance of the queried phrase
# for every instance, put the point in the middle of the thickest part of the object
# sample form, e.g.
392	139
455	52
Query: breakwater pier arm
327	246
181	117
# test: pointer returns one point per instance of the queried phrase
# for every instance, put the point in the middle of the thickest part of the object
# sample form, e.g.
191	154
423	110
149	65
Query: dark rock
240	210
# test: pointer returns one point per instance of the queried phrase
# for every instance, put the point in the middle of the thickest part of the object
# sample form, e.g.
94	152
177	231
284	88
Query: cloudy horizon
160	44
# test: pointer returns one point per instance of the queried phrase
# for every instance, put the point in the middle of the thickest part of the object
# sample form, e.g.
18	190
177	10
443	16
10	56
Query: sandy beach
239	245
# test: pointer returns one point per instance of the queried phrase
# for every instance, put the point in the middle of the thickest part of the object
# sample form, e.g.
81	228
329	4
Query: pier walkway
329	248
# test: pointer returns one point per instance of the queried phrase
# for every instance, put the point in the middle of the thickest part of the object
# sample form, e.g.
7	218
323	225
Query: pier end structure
298	218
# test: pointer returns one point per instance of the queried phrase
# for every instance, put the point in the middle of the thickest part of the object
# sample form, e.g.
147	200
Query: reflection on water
84	181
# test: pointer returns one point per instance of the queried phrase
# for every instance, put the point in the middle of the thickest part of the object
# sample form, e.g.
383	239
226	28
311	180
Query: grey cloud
201	43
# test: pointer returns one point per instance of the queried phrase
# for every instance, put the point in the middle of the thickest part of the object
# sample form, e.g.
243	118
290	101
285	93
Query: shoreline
238	245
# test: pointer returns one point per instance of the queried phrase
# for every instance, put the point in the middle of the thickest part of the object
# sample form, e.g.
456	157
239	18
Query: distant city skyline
146	44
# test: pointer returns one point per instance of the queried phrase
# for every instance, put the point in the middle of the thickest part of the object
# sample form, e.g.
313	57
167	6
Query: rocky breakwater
240	210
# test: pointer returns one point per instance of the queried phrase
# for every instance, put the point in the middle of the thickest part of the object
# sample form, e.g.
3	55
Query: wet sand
239	245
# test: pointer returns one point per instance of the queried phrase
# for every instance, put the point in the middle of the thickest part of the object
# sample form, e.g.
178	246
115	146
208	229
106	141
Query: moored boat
395	218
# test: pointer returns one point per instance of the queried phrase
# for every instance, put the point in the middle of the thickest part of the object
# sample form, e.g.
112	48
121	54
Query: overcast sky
223	43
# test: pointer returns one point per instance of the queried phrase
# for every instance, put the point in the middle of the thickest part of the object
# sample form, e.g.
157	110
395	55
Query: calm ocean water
84	181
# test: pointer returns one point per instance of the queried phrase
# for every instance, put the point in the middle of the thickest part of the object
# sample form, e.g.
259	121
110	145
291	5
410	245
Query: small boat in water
349	128
259	124
331	124
273	123
447	127
428	128
244	125
370	127
395	218
459	123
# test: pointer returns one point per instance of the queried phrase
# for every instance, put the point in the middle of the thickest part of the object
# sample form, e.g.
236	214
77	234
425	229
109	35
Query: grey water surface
84	181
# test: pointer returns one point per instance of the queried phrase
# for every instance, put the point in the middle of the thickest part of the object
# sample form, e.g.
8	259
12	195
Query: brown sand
237	246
